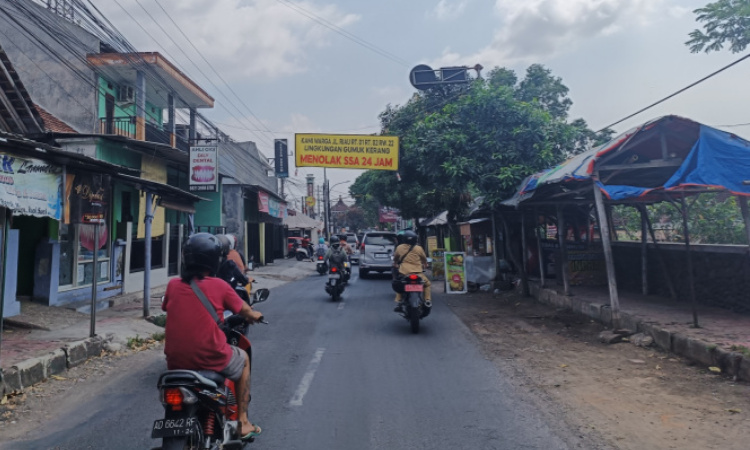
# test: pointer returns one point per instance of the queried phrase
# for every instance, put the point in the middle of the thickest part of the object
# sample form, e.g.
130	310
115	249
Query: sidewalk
723	339
44	341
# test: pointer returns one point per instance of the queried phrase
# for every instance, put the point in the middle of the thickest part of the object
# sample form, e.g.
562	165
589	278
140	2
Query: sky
332	66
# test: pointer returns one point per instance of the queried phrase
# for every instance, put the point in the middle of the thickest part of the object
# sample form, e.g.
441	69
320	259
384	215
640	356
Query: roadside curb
705	353
35	370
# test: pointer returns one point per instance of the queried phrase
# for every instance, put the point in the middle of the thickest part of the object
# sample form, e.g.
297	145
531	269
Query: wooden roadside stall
669	159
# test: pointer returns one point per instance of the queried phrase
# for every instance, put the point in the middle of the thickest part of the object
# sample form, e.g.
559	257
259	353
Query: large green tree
478	140
724	21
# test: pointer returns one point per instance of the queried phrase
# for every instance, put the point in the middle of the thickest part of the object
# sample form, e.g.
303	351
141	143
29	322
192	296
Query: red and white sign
204	169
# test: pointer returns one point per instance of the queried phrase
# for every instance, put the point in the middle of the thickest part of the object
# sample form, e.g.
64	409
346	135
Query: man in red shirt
193	340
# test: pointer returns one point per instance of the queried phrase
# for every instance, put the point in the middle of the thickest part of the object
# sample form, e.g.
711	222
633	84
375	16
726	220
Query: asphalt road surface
347	375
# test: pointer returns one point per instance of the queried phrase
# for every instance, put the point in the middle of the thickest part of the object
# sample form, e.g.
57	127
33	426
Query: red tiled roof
52	123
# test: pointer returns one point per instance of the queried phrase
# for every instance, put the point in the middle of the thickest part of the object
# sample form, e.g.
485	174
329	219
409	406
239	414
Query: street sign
204	169
347	151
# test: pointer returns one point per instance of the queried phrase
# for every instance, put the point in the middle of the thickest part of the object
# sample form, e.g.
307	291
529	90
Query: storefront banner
87	200
31	187
455	273
388	215
347	151
204	169
269	205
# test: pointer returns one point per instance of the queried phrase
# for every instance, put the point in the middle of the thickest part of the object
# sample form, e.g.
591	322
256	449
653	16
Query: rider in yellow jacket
411	258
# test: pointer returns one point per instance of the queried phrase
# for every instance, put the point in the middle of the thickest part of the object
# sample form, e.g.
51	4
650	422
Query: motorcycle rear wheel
414	320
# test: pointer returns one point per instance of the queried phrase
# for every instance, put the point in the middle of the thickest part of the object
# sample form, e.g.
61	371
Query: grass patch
158	337
741	349
160	321
138	343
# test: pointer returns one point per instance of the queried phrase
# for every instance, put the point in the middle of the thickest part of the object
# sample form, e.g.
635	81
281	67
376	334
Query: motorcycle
322	265
200	407
302	253
335	283
347	272
414	308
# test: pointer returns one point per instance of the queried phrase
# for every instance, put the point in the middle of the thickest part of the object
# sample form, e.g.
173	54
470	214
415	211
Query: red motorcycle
200	407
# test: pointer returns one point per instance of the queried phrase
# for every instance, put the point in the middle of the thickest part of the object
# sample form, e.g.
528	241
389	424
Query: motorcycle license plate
181	426
334	276
413	288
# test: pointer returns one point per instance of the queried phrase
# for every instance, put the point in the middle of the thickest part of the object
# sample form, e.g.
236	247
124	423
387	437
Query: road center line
307	378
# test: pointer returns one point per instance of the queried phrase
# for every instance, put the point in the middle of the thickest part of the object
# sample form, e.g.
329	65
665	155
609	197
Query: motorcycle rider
228	269
411	259
193	340
322	248
336	253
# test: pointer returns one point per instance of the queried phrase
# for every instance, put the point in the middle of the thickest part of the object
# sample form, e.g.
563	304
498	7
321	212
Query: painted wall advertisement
455	273
269	205
204	169
31	187
346	151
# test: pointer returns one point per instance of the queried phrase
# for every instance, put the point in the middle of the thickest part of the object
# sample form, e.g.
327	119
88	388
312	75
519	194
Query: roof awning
171	197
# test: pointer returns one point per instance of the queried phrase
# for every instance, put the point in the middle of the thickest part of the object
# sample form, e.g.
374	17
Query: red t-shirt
193	340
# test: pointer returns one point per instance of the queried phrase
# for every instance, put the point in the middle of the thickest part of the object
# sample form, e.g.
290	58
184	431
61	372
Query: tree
481	139
724	21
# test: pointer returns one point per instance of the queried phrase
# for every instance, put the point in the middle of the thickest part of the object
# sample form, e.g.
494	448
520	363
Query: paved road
346	375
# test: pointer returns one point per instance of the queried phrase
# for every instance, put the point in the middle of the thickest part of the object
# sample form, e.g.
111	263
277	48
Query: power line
676	93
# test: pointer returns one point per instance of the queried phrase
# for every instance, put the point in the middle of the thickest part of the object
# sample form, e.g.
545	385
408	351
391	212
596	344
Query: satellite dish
423	77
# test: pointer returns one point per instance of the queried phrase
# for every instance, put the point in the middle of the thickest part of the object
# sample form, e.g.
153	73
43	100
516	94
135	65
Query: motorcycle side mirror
261	295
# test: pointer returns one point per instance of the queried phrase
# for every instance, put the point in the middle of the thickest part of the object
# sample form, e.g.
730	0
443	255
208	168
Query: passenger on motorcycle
321	248
229	270
411	258
193	340
336	252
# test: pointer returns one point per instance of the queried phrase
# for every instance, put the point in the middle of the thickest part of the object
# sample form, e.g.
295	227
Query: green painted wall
209	213
116	153
154	114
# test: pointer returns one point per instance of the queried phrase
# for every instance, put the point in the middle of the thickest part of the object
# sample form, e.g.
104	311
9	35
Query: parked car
353	242
375	252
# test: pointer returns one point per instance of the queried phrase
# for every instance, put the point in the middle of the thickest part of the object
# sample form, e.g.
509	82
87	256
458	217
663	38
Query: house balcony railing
125	126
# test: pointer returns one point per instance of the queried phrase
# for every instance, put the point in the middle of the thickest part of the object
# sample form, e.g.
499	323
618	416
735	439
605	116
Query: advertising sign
388	215
281	158
455	273
204	169
31	187
271	206
346	151
438	263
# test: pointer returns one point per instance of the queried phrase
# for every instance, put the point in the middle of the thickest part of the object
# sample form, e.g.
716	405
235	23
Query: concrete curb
35	370
705	353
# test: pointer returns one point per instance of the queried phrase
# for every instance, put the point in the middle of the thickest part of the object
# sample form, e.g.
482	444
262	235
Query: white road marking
341	305
307	378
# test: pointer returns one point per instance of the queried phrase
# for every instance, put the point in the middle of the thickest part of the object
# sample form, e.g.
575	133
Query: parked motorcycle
335	283
200	407
413	308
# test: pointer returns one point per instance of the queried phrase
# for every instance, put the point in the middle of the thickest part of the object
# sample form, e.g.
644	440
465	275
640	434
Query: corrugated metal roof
243	162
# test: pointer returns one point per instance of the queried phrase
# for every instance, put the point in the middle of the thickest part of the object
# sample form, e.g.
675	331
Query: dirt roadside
630	397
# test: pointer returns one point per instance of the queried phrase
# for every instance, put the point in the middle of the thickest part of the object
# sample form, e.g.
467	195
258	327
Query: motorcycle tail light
320	258
333	269
413	277
173	397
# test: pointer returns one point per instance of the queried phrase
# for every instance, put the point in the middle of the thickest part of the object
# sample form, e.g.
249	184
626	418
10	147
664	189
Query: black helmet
334	239
410	237
226	244
202	253
342	237
400	237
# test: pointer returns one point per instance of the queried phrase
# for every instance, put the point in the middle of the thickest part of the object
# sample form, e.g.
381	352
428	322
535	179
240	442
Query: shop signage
346	151
388	215
86	198
204	169
30	187
455	273
269	205
281	158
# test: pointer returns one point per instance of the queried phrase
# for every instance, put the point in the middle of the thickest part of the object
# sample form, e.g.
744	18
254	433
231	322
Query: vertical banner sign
87	200
281	158
204	169
455	273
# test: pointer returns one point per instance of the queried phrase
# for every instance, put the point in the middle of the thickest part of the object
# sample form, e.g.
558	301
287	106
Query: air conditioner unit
126	94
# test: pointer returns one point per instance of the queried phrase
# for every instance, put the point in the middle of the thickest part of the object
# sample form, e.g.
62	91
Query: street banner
281	158
388	215
271	206
346	151
31	187
204	169
438	263
455	273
